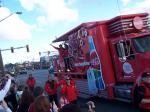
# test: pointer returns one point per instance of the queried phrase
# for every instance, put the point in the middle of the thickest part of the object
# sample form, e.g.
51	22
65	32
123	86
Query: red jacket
31	82
146	96
62	82
60	50
70	91
65	53
49	90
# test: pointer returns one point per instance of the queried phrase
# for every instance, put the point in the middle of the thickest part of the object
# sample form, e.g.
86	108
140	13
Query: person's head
66	46
68	80
26	97
42	104
26	88
146	78
21	87
38	91
13	88
70	108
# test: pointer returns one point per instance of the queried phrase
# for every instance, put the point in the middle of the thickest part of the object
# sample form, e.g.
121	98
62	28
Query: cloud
13	27
53	10
28	4
42	21
125	2
70	2
139	7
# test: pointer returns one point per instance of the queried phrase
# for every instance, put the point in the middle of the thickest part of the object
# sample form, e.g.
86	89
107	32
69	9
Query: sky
42	21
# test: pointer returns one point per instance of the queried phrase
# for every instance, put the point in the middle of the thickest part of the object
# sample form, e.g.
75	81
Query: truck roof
85	25
114	21
129	16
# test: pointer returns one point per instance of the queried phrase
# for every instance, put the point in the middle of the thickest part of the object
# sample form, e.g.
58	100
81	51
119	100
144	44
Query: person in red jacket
70	91
62	99
31	82
143	93
51	89
63	52
66	58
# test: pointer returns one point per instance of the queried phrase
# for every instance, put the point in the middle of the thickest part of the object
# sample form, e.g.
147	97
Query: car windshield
142	44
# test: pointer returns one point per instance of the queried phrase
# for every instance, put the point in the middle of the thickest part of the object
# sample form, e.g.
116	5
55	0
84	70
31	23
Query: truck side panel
99	35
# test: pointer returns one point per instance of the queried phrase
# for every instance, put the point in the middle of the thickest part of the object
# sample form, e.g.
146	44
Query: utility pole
1	63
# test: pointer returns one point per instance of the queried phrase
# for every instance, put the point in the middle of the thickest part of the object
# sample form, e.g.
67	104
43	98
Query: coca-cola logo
138	23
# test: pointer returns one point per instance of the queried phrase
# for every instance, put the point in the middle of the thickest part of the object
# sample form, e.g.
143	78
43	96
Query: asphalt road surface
39	75
102	105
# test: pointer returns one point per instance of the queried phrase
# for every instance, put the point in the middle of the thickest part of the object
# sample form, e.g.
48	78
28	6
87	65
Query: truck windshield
142	44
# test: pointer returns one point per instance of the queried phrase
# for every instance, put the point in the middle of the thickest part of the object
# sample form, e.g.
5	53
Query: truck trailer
107	57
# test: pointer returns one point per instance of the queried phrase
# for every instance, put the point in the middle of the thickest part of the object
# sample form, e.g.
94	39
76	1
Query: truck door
124	60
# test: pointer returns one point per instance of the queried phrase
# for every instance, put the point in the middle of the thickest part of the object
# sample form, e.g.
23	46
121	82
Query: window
142	44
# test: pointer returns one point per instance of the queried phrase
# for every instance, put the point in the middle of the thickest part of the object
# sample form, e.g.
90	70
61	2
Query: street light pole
1	59
19	13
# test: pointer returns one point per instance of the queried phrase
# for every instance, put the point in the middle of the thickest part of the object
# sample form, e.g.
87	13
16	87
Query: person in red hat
70	90
31	82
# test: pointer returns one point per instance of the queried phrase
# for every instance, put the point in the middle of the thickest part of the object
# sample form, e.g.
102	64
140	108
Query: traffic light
27	47
12	50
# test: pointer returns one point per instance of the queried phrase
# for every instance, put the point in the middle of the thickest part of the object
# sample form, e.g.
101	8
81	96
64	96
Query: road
39	75
102	105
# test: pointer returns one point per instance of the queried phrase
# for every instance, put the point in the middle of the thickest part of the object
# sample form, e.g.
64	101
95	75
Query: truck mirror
122	54
121	50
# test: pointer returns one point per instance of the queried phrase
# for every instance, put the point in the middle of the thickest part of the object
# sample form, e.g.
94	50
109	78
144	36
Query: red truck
106	57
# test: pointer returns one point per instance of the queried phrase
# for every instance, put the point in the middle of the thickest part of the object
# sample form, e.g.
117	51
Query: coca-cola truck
106	57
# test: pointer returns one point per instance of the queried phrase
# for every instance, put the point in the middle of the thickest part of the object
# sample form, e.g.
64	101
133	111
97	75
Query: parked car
23	71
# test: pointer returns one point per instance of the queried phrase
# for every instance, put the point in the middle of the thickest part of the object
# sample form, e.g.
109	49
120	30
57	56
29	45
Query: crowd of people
32	98
58	95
